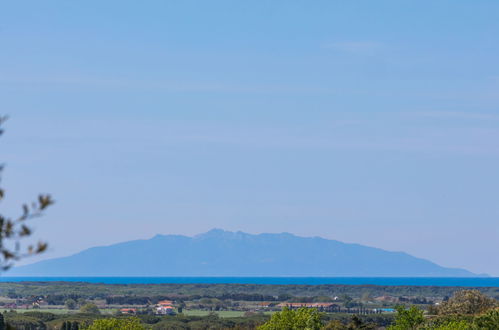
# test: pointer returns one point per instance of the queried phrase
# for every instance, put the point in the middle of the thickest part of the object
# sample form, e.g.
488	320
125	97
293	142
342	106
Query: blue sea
420	281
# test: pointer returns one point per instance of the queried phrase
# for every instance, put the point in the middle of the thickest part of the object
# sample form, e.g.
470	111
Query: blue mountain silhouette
224	253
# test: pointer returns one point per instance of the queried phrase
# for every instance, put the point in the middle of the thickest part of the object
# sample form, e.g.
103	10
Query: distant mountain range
224	253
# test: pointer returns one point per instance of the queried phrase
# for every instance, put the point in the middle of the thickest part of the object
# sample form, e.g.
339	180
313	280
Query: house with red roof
128	311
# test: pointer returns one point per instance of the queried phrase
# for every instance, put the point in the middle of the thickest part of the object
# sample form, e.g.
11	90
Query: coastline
383	281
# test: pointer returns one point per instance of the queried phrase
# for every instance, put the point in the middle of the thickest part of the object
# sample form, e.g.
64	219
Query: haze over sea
422	281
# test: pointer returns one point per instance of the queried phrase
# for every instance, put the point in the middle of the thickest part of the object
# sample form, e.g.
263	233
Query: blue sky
374	122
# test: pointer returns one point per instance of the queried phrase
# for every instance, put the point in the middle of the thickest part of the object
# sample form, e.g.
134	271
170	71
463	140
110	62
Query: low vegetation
66	310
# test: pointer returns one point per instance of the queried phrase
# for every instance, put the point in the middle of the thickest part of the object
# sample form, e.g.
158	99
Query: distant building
165	303
165	310
128	311
165	307
265	304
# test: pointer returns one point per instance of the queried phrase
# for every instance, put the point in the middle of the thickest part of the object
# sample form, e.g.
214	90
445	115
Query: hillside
223	253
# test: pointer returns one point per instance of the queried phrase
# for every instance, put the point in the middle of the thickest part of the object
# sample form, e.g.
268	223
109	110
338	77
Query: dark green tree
90	308
131	323
488	321
70	303
288	319
335	325
356	323
408	319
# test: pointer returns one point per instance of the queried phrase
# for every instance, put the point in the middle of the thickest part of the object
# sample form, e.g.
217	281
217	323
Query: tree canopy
131	323
90	308
407	319
288	319
467	302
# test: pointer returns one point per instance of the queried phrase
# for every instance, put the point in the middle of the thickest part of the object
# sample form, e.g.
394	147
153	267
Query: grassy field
56	310
197	312
45	310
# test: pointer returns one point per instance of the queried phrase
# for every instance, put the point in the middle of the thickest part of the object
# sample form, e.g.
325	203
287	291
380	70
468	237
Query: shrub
466	302
489	320
131	323
407	319
89	308
302	318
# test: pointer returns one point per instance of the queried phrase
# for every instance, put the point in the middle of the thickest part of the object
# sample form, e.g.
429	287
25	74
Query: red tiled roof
128	310
165	302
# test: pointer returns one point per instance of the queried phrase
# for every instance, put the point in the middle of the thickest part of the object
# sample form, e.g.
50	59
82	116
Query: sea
416	281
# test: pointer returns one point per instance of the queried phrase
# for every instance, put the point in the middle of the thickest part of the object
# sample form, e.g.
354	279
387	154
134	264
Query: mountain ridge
225	253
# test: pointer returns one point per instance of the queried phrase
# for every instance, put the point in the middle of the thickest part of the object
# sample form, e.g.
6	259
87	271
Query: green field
198	312
56	310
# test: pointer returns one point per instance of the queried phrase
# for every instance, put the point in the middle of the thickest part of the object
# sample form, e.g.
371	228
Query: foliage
89	308
407	319
20	321
288	319
453	325
381	320
357	323
489	320
131	323
68	325
72	321
466	302
209	322
43	316
70	303
149	319
334	325
130	293
43	320
122	294
485	321
348	301
12	230
171	325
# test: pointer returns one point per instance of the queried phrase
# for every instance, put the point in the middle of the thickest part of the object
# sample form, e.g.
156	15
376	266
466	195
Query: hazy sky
375	122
